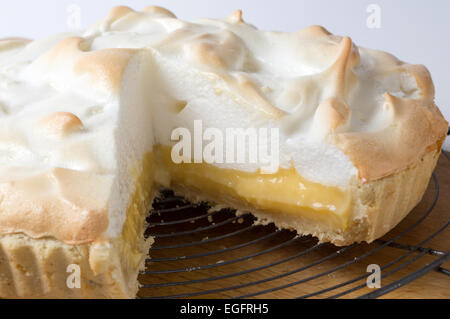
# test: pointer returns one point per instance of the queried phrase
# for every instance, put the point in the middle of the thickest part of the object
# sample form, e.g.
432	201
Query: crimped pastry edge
38	268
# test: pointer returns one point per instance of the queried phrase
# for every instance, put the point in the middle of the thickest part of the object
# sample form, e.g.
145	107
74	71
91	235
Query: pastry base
38	268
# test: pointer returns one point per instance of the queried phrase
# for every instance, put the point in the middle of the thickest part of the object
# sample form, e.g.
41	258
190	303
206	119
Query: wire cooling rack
200	252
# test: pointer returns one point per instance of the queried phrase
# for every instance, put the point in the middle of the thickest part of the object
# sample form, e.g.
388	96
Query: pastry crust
40	268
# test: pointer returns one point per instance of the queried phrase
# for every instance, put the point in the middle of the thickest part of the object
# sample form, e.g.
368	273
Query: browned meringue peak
69	62
422	79
330	115
159	11
324	94
114	15
340	75
126	16
418	127
334	112
221	50
119	12
423	85
105	24
412	123
61	124
256	97
235	17
317	47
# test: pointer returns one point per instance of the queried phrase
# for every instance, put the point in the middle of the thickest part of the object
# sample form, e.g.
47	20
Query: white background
416	31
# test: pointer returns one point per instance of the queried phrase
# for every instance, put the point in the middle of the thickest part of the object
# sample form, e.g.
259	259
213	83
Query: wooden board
301	268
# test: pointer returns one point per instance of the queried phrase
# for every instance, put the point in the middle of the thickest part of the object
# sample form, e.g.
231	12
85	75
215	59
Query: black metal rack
217	253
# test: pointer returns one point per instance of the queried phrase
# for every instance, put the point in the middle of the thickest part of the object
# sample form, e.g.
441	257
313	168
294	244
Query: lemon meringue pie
85	140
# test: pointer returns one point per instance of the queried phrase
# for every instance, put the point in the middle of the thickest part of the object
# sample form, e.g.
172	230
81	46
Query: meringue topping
109	94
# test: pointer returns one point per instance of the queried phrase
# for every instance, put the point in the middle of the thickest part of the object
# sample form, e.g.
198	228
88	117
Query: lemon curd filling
285	191
132	245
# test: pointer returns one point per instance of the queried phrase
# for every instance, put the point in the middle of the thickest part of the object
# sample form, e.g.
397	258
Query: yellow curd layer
131	241
285	191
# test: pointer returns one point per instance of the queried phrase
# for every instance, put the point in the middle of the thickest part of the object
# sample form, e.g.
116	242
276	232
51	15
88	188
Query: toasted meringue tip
255	95
235	17
206	54
390	101
159	10
423	79
389	97
347	51
115	14
61	124
332	113
340	71
71	44
119	11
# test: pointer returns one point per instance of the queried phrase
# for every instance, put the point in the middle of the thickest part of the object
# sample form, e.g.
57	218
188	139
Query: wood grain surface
307	270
